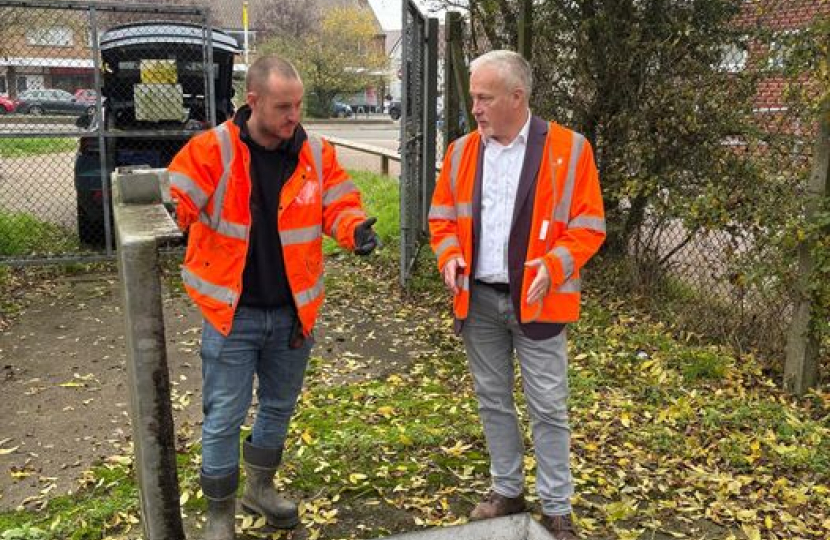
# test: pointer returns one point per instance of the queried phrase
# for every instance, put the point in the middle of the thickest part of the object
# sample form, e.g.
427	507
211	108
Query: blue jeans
257	344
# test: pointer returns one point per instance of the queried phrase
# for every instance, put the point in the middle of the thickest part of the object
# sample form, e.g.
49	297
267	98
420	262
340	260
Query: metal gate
92	86
419	65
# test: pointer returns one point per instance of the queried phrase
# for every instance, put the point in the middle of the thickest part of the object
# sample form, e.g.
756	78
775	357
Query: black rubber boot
260	496
220	492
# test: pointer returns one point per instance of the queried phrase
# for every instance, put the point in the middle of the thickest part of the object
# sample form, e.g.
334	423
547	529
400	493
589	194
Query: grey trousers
491	335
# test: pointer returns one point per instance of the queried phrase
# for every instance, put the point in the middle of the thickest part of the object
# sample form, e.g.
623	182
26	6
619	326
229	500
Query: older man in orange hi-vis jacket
516	213
256	194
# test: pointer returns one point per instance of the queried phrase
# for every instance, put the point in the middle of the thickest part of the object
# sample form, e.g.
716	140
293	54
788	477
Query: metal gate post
141	222
419	36
427	176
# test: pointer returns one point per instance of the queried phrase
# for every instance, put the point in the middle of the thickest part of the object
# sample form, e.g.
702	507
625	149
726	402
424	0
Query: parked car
395	110
341	110
153	126
6	105
86	95
51	101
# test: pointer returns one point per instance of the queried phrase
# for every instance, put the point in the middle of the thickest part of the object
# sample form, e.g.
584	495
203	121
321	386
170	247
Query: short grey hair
512	67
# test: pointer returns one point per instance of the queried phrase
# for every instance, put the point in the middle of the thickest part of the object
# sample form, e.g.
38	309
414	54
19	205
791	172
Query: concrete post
141	221
801	366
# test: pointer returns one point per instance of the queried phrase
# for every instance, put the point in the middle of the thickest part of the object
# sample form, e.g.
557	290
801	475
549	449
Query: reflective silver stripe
341	215
218	293
447	243
438	211
465	210
554	172
455	161
317	154
465	283
567	260
570	286
588	222
309	295
226	151
335	192
189	186
563	208
301	236
226	228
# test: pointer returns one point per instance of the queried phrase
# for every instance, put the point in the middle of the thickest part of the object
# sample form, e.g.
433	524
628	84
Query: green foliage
340	57
30	147
636	93
25	532
23	233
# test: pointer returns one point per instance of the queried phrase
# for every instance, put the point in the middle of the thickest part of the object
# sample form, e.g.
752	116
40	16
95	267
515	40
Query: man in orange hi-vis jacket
516	213
256	195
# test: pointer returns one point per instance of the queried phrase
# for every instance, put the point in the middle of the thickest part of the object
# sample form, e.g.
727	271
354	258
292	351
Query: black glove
365	239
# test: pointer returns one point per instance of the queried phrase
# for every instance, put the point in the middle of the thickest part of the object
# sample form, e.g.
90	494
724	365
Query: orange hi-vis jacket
558	217
210	180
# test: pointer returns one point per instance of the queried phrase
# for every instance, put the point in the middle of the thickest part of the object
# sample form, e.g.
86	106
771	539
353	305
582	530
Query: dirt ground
63	380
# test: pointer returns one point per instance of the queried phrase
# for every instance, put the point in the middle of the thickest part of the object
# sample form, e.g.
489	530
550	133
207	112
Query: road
384	135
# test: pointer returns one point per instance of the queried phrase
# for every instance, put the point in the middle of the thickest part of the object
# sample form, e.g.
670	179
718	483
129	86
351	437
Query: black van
153	94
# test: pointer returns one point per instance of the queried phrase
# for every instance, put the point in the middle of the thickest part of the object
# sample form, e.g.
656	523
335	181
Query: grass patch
110	495
703	364
37	146
22	234
379	195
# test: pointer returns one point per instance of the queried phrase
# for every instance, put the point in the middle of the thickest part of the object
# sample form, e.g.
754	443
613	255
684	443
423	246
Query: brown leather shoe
561	527
495	505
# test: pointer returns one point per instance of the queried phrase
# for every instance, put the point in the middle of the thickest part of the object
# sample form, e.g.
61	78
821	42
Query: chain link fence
87	88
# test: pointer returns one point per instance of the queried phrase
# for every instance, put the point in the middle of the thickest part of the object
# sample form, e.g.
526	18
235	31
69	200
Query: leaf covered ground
672	438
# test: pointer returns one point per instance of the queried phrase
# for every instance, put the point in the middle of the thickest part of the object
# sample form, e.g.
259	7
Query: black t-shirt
264	280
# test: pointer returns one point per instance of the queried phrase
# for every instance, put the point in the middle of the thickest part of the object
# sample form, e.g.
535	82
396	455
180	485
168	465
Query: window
781	49
55	36
733	58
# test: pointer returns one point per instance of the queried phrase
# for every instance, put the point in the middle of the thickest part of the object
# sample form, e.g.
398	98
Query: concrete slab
515	527
139	212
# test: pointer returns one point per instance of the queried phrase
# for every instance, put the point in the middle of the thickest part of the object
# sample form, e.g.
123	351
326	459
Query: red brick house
780	23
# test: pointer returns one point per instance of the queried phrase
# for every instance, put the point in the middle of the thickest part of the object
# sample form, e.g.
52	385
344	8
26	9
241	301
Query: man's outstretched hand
365	239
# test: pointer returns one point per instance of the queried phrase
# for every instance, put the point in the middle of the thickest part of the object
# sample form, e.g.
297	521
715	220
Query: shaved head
275	96
266	66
